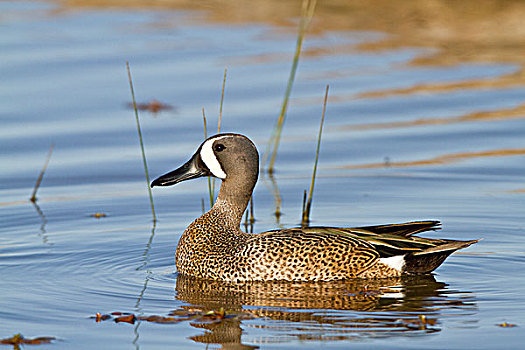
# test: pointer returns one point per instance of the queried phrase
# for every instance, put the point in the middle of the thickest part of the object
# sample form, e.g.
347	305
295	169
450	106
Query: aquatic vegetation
211	182
154	106
307	203
219	124
506	325
41	175
178	315
18	339
144	162
210	191
307	12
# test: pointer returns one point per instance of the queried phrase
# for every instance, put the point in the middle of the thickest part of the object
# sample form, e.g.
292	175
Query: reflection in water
145	254
43	232
506	113
138	309
145	260
455	31
342	310
442	159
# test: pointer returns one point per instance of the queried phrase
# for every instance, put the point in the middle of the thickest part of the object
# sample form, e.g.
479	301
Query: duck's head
232	158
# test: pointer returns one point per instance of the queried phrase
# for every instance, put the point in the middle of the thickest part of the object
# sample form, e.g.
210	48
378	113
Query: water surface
425	121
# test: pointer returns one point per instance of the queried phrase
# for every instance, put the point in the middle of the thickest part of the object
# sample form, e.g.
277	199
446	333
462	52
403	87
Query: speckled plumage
214	247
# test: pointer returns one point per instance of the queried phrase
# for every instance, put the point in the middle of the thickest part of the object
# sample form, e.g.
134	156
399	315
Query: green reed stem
222	100
303	211
220	116
277	198
306	214
210	191
141	143
307	12
41	175
252	216
246	220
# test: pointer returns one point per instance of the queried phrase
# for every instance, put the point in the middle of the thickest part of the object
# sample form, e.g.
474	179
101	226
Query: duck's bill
192	169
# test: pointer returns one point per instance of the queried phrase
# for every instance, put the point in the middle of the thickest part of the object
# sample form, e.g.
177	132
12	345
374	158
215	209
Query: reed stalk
249	218
303	211
246	220
42	172
306	212
307	12
220	116
222	100
210	191
252	216
277	198
144	162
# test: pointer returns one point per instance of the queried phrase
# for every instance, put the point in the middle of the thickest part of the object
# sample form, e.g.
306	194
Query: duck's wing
421	255
406	229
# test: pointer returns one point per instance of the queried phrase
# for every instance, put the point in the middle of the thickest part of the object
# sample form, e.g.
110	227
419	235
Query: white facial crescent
208	157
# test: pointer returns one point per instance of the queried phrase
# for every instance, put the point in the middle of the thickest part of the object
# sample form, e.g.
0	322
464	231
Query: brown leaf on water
118	313
128	319
154	106
19	339
176	316
99	317
159	319
98	215
507	325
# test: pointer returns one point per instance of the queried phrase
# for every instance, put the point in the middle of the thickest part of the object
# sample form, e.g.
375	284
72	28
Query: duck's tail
428	260
400	249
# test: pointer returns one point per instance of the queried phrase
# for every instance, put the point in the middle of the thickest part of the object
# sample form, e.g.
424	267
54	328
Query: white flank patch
208	157
396	262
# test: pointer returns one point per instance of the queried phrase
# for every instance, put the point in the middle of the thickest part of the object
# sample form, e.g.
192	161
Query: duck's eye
219	147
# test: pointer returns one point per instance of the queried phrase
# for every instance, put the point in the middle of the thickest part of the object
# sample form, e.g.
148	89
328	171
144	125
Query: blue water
64	82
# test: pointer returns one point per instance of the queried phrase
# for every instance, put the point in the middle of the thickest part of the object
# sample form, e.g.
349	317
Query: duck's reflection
348	310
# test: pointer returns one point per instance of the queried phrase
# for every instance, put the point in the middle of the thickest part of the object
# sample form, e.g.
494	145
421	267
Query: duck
214	247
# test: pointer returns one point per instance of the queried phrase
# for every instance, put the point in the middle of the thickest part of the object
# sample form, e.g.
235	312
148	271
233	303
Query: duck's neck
233	199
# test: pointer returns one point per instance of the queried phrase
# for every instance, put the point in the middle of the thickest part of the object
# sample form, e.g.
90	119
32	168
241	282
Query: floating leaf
506	325
99	317
19	339
118	313
128	319
176	316
153	106
159	319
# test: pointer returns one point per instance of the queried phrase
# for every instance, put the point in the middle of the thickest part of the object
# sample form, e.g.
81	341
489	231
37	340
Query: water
425	121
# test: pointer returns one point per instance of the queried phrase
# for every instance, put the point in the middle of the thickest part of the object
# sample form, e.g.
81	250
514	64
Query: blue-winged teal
214	247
